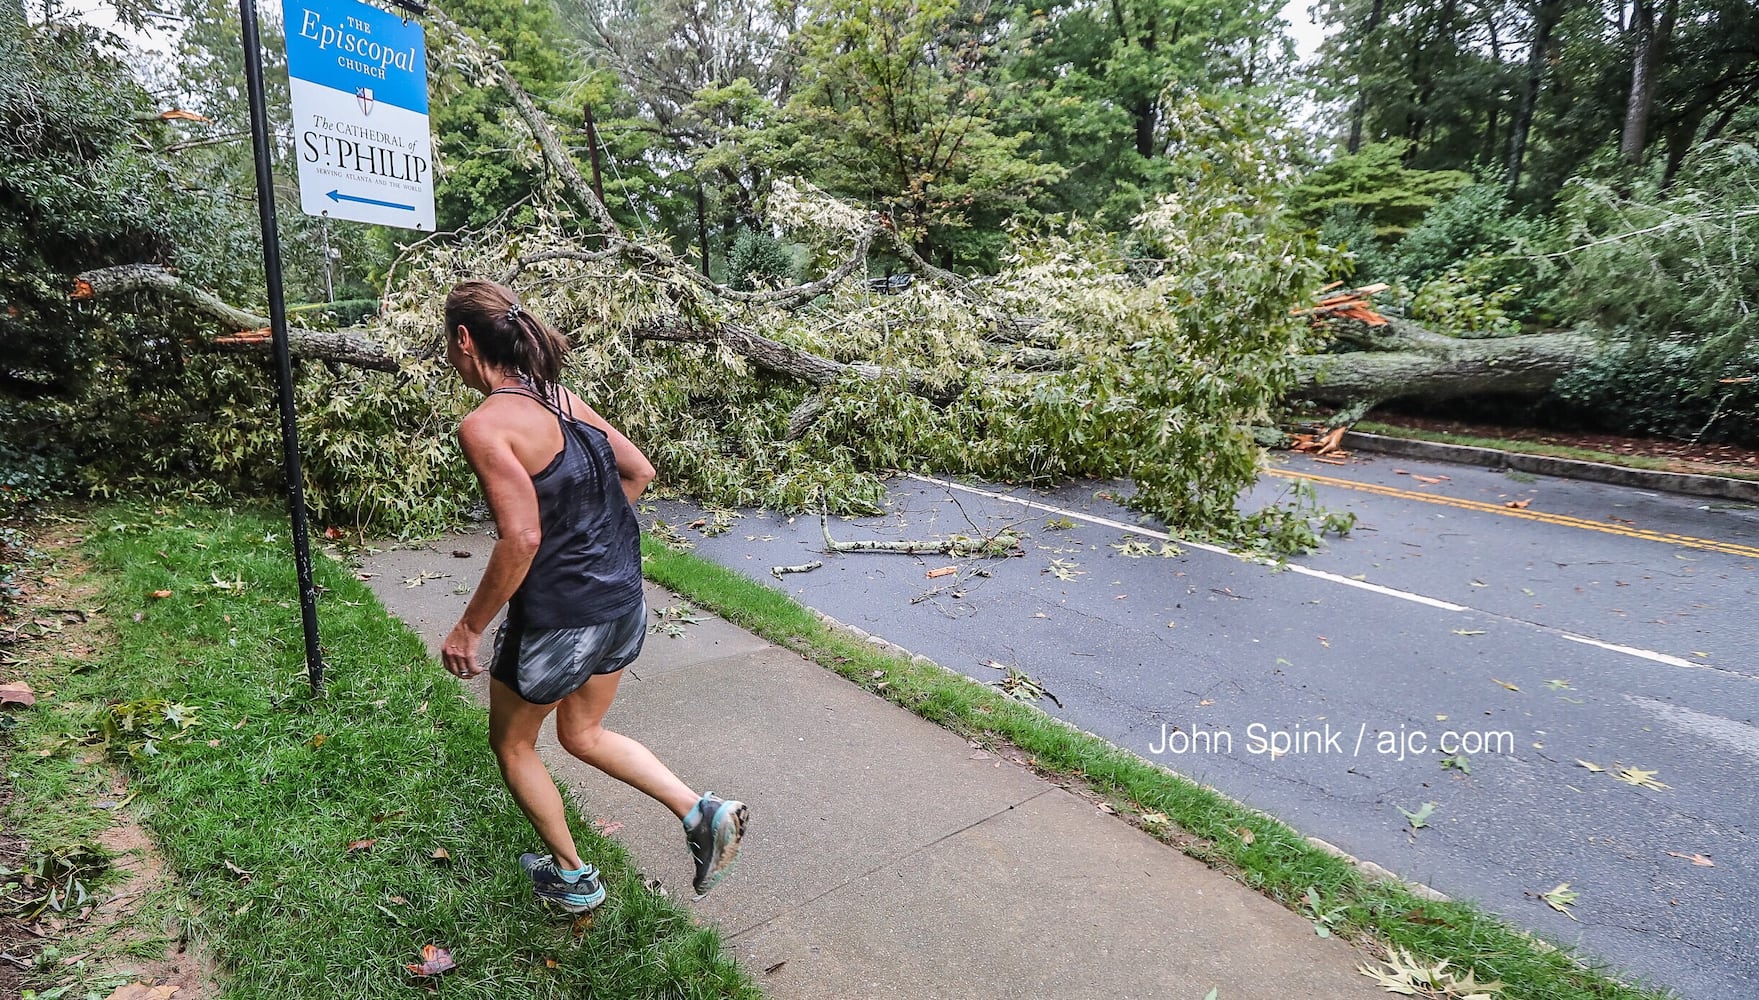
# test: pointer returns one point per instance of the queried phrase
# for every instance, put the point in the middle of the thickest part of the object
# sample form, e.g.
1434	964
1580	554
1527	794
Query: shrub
1349	229
757	259
1465	305
1662	389
1376	182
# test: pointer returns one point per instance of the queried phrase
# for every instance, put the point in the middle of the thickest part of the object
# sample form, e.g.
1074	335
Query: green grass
1274	860
1538	448
272	782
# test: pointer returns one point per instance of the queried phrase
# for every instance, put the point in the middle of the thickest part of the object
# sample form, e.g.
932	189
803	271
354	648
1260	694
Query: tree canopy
799	244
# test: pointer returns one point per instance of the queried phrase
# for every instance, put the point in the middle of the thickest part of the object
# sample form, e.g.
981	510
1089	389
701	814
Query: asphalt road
1590	624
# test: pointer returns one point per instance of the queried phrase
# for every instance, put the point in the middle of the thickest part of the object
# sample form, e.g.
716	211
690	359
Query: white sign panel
359	81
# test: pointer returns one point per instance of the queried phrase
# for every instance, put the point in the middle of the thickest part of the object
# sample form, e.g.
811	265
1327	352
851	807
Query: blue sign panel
353	46
358	83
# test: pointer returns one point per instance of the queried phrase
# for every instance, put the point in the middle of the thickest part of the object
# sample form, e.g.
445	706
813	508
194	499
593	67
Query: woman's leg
580	728
513	728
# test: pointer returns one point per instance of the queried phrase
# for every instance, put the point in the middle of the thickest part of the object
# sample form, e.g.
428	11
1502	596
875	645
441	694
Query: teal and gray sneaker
712	830
576	896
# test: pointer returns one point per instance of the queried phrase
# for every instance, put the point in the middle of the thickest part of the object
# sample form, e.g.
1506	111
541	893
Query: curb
1691	484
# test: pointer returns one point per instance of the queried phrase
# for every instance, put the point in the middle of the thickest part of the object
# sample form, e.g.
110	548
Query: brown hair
505	334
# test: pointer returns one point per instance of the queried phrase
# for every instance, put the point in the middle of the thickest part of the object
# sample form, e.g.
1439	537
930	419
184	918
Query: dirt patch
54	623
1680	456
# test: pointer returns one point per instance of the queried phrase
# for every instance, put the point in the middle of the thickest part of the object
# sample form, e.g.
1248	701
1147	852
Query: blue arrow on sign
334	196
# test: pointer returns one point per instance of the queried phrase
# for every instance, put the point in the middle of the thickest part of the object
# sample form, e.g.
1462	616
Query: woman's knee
508	745
582	741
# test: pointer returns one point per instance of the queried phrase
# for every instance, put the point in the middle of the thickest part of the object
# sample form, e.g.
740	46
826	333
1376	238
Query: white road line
1647	654
1403	595
1163	536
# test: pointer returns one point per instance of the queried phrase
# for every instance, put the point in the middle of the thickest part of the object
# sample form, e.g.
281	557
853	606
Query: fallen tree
1400	361
1074	360
1405	361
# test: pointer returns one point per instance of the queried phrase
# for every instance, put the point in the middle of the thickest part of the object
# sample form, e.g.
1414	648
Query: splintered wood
245	337
1322	445
1350	304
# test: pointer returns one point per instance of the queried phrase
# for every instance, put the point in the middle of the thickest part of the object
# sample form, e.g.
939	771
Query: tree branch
347	346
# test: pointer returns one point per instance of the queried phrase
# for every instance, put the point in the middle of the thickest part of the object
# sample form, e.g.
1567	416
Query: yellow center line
1669	538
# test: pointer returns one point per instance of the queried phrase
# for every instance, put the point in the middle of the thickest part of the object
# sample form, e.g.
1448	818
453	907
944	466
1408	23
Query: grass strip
1259	851
322	841
1679	466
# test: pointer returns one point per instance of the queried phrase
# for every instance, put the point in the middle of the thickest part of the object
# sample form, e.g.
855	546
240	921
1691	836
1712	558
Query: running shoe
712	831
547	881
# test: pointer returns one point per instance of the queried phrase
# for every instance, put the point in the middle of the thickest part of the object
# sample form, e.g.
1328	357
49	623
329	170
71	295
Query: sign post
259	134
358	80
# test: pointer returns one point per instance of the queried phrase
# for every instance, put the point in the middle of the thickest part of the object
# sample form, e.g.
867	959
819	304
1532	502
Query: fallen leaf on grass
160	595
1561	899
1639	777
582	924
317	741
243	876
1408	976
1697	859
361	845
1246	835
440	854
17	693
434	961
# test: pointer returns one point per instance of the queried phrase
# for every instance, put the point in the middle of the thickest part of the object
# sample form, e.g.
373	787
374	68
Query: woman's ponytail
506	335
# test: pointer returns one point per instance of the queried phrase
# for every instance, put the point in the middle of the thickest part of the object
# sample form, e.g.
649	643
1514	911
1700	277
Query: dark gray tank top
588	566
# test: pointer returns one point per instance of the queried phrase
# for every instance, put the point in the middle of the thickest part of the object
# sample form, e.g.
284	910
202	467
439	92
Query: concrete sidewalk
887	857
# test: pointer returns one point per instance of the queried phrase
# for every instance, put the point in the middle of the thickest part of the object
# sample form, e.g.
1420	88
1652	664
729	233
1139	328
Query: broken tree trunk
350	347
356	347
1429	366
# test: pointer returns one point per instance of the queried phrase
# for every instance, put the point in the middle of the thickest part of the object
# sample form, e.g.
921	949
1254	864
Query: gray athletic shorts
545	665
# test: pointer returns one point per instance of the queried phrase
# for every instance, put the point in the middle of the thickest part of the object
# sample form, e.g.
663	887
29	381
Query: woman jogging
560	482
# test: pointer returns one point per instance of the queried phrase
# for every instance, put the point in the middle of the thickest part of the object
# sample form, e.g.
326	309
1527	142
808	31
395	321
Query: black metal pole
259	134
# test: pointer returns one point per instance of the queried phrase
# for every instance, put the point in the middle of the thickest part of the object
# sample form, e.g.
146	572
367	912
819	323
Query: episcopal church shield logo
365	96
